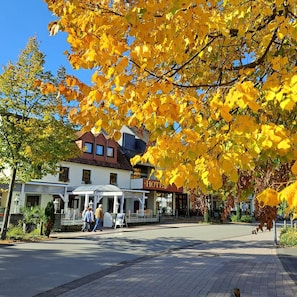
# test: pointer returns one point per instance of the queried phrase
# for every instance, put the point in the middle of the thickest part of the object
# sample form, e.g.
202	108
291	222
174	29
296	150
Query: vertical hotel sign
149	184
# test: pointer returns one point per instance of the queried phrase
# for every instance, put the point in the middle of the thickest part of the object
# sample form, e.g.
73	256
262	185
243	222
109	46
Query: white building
101	174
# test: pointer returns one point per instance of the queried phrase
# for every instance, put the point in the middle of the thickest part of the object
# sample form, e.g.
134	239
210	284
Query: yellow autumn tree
214	82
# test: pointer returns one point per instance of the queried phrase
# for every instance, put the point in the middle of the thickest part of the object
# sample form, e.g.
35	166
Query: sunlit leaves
213	82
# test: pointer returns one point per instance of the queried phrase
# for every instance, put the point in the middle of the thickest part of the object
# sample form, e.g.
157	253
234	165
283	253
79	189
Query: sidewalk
118	229
211	269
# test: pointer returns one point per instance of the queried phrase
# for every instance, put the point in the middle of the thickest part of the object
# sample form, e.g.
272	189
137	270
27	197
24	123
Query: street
29	269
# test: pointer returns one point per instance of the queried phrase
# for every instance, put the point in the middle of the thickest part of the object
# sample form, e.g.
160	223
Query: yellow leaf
136	159
294	168
276	63
234	175
225	113
287	104
268	197
117	135
28	150
122	64
204	178
284	145
98	125
227	163
214	176
267	143
293	80
177	180
72	112
270	96
289	194
110	72
71	81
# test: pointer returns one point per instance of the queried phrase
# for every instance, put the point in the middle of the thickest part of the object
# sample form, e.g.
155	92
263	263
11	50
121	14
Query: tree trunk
206	215
8	205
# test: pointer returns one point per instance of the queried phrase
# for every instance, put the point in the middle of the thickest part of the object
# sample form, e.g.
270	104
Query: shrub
288	237
15	232
33	235
234	218
246	219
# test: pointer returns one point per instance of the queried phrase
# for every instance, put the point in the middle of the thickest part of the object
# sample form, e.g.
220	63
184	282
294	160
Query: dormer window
99	150
110	152
88	147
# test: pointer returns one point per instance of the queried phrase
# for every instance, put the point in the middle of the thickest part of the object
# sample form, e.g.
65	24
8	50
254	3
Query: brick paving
208	269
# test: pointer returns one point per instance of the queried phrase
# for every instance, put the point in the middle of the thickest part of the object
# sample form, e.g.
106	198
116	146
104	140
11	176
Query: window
86	176
64	174
110	152
73	202
32	200
88	147
99	150
113	179
140	172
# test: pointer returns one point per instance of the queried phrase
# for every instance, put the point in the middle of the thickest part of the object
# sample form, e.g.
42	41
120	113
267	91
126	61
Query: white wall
99	175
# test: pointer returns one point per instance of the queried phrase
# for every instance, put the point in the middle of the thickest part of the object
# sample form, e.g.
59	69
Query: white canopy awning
101	190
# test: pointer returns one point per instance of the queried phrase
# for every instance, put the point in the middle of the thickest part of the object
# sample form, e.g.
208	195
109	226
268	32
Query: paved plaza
161	260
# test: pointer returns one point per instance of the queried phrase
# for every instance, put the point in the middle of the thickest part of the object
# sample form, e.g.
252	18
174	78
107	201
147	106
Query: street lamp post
275	233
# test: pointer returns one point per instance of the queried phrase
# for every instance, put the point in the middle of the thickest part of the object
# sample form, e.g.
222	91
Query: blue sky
22	19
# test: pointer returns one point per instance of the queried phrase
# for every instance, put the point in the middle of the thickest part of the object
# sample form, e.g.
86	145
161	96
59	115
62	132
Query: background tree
33	139
214	82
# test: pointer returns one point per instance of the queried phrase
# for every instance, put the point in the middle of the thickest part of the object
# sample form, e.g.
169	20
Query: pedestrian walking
92	219
88	219
99	218
84	226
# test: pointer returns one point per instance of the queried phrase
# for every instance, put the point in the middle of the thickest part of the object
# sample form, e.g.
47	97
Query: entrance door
136	206
181	203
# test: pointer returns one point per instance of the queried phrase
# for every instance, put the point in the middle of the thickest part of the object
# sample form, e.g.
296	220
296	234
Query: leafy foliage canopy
214	82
